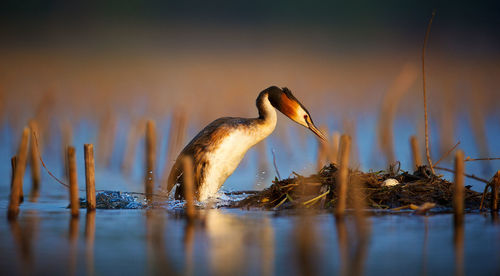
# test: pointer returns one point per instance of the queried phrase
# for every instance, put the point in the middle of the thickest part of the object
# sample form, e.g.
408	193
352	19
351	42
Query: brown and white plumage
218	149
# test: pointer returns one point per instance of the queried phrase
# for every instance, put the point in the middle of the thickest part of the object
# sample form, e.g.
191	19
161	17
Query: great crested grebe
218	149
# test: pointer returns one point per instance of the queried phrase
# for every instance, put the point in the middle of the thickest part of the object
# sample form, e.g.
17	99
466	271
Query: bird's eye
305	117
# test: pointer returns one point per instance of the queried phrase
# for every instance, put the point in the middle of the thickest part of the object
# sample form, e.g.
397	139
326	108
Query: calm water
45	240
233	242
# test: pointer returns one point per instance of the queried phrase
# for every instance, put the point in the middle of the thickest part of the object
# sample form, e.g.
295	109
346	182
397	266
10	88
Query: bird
218	148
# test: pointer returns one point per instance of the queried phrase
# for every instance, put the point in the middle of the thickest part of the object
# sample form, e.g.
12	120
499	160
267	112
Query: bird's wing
205	141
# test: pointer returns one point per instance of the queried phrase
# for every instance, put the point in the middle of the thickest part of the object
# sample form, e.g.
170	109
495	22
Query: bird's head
286	103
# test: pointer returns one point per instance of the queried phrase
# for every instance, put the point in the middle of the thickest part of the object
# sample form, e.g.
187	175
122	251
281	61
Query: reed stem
90	176
73	183
187	164
334	149
415	150
458	193
495	185
13	162
427	150
150	158
67	140
323	151
35	163
17	182
342	176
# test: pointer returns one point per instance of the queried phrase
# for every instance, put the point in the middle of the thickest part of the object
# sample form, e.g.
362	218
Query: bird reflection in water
237	244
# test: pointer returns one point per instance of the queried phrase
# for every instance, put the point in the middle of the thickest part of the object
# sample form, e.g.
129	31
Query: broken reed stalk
17	183
415	150
35	163
67	140
323	149
427	150
90	176
342	176
458	192
74	203
150	158
341	148
349	125
495	185
334	148
13	162
187	164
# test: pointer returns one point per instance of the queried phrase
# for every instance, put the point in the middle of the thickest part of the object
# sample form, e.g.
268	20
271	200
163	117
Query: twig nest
390	182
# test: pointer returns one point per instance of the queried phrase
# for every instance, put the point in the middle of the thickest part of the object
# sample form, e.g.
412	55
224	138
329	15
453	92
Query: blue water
135	242
235	241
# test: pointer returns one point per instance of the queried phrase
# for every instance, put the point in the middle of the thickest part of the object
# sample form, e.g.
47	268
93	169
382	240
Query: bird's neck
267	115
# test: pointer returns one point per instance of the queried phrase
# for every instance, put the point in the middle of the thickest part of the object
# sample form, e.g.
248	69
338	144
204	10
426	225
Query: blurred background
94	71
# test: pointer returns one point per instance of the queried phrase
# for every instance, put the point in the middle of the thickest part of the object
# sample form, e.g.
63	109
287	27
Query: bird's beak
316	131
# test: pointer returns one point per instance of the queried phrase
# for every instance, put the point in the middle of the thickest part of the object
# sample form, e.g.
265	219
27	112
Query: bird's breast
225	158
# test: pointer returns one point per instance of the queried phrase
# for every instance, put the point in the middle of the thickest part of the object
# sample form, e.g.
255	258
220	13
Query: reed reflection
352	249
267	247
157	257
24	236
73	244
458	242
343	245
89	241
306	250
424	247
189	234
359	256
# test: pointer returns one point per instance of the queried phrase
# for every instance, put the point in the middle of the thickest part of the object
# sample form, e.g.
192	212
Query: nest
420	188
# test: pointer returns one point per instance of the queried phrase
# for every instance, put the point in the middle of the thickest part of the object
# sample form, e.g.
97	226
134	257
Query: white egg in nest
390	182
